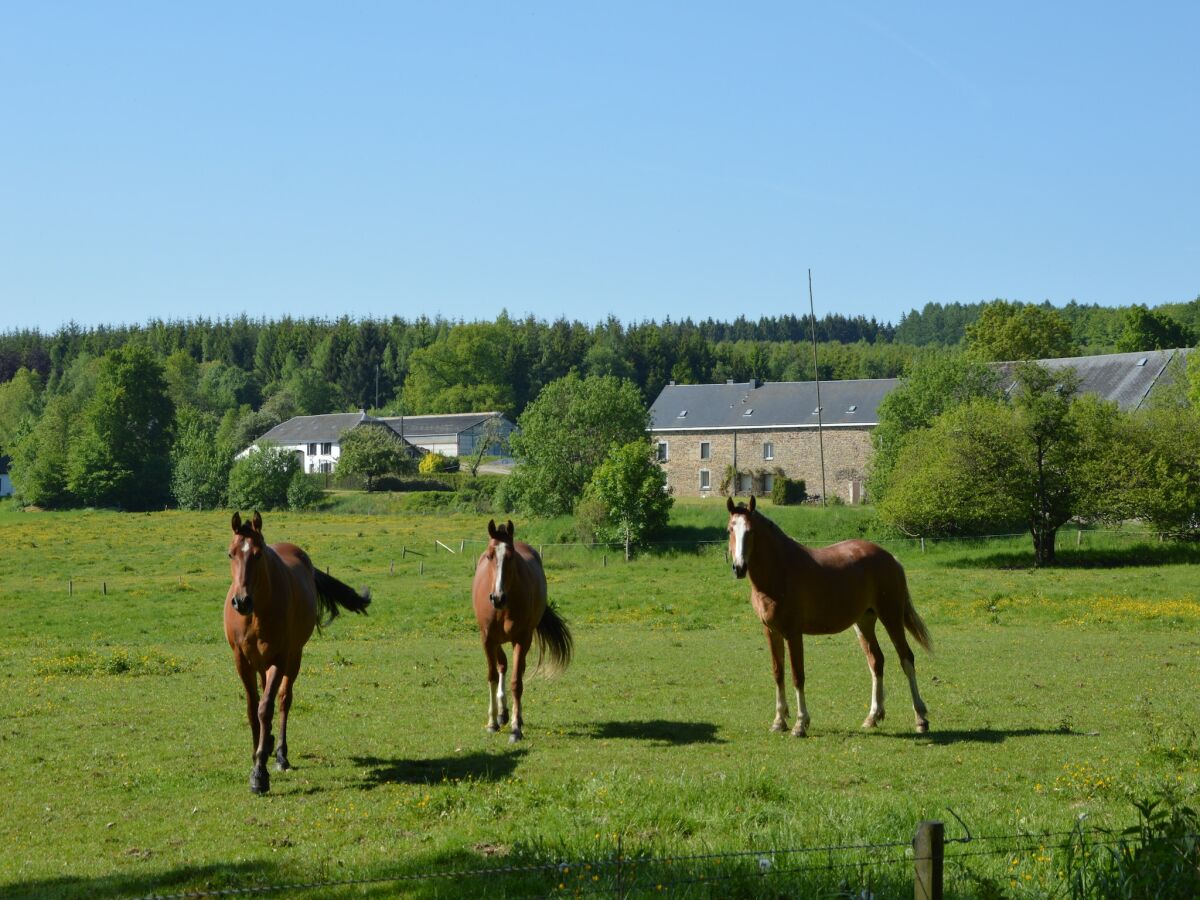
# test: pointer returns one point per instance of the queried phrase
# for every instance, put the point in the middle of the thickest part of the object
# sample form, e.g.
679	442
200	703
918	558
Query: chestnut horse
509	593
270	612
798	591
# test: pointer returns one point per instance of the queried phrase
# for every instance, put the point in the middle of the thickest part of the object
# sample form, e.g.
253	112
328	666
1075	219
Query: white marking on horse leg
501	700
918	704
492	707
802	718
781	709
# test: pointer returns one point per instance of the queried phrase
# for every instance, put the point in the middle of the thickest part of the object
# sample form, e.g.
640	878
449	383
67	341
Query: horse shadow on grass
979	735
216	877
460	767
658	731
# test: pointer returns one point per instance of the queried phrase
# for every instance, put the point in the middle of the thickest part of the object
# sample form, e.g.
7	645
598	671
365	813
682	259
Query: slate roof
448	423
1124	378
314	429
777	404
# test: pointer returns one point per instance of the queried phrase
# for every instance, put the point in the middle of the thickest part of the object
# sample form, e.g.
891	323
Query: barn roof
449	423
1122	378
314	429
780	404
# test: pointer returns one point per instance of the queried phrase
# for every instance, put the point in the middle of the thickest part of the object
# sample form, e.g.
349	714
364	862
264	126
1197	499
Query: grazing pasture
1051	695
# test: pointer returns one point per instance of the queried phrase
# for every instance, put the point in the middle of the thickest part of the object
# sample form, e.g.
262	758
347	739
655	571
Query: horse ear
751	503
237	522
491	528
729	504
510	529
257	522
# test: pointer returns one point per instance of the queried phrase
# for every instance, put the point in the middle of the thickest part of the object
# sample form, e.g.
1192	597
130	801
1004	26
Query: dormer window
1142	361
749	412
682	414
817	410
852	407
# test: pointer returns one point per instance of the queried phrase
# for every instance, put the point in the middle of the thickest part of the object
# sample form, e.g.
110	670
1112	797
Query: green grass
1052	694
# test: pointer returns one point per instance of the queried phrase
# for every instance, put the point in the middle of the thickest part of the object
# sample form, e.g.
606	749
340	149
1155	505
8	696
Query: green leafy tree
20	403
371	451
1166	488
303	492
261	479
199	463
631	487
465	372
1147	329
39	459
122	454
566	433
1015	331
933	384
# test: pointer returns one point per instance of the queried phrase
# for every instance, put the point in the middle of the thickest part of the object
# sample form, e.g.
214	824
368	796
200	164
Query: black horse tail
554	636
332	593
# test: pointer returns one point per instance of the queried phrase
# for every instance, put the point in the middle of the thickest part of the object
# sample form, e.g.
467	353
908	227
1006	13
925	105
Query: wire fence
861	870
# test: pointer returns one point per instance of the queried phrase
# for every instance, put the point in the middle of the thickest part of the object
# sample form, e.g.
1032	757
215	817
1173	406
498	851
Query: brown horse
270	612
509	593
798	591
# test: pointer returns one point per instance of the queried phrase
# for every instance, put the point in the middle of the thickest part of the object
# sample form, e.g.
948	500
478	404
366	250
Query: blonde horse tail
914	623
554	637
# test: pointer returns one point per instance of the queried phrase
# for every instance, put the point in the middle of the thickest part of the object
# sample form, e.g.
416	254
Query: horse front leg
775	642
285	705
495	687
260	778
250	684
520	651
501	697
796	650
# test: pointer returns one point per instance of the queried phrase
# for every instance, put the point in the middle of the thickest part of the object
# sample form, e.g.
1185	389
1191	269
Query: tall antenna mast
817	380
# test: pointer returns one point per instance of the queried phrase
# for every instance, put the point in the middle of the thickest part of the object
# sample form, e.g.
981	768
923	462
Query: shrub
432	463
788	491
303	492
262	479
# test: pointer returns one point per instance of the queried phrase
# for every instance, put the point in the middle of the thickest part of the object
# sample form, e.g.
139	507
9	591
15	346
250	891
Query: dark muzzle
498	600
739	571
243	605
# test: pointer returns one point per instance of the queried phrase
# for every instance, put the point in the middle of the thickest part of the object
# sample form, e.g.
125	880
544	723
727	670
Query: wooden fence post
929	845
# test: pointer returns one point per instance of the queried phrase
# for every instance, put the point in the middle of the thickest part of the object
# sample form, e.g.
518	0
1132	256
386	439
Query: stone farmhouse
317	439
715	439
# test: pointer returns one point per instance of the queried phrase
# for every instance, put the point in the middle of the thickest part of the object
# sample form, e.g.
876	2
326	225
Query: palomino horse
270	612
509	593
798	591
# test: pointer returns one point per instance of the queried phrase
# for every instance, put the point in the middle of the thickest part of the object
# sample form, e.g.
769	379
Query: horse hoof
778	726
514	737
922	727
493	727
504	718
282	765
799	731
260	781
872	721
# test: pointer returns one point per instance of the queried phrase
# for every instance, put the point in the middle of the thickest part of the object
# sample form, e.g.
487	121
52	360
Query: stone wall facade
794	453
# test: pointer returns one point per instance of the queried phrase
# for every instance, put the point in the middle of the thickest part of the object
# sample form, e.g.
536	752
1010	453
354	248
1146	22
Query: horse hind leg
865	629
285	705
520	652
895	630
796	652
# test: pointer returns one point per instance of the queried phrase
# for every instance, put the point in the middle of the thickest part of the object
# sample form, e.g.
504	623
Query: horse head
500	549
741	521
245	549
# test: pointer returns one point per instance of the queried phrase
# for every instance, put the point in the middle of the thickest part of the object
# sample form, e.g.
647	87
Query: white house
317	440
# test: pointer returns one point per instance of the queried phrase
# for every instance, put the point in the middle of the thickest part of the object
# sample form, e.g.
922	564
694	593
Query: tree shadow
659	731
980	735
1138	555
693	539
460	767
215	877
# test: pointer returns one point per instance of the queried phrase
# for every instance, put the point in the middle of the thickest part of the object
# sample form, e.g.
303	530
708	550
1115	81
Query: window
768	450
662	451
745	484
705	450
326	467
768	483
312	449
327	449
705	480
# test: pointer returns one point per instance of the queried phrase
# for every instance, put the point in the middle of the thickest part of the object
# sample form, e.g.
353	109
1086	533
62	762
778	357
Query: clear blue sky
637	159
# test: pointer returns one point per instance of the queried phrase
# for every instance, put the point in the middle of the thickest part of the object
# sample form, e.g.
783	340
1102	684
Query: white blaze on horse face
501	551
740	526
246	546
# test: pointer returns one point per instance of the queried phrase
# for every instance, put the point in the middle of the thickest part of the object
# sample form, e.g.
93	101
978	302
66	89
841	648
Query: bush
262	479
436	462
788	491
304	492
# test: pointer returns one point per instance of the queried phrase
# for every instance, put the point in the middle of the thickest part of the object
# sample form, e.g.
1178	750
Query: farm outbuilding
738	437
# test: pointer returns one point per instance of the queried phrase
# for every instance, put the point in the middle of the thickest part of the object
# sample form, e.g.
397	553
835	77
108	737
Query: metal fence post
929	845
